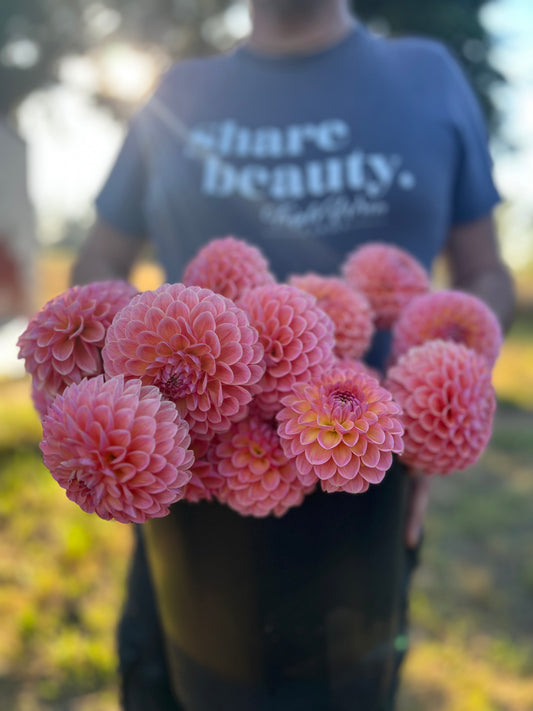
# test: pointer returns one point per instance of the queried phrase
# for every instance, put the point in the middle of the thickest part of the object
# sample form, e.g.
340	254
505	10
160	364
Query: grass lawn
62	571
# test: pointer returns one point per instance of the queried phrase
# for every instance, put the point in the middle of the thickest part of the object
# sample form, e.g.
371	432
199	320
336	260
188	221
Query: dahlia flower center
257	450
345	403
178	382
453	332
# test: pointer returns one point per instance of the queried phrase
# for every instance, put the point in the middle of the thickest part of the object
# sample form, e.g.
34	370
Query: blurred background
71	73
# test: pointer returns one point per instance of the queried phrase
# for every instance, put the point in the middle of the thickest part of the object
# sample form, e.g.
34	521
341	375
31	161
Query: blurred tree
36	34
456	23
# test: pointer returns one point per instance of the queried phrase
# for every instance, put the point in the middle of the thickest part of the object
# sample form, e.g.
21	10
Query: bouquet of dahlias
233	387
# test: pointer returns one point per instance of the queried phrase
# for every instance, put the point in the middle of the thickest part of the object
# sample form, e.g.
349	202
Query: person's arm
475	266
106	254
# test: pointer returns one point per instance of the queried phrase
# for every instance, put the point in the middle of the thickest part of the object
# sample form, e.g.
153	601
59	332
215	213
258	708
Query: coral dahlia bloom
228	266
118	448
259	479
448	404
63	342
388	275
342	428
448	315
297	337
196	346
348	309
358	366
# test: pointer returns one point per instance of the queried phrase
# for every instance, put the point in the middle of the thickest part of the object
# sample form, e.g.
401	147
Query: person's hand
418	503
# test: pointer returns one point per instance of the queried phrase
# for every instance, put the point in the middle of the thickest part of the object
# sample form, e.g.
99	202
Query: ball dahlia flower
448	315
259	479
348	309
358	366
196	346
342	428
448	404
63	342
388	275
297	337
228	266
118	448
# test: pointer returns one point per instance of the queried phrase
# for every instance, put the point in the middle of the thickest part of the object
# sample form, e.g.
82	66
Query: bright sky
511	22
72	144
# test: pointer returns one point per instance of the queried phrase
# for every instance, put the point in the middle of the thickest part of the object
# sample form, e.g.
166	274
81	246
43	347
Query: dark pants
304	612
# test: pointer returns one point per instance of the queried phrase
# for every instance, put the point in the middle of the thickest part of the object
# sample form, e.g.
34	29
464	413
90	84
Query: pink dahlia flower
228	266
389	276
358	366
448	404
63	342
348	309
259	479
118	448
449	316
196	346
205	480
297	337
342	428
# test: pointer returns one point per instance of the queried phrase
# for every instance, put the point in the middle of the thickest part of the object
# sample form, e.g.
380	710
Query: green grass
62	572
471	604
61	577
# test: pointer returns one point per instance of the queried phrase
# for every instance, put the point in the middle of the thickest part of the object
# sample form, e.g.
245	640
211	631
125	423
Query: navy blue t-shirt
306	156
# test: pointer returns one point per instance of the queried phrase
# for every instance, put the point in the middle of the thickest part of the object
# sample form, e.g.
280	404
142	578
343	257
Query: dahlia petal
94	332
304	467
62	350
316	454
325	470
87	359
351	438
224	373
370	458
328	439
140	460
64	368
372	475
309	435
203	323
385	460
376	434
342	455
280	369
271	481
352	486
259	466
307	418
290	428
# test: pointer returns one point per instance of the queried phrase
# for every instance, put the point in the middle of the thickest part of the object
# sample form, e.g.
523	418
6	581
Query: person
312	137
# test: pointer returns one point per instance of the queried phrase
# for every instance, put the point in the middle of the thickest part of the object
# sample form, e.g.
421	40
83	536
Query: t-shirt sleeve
121	200
474	192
